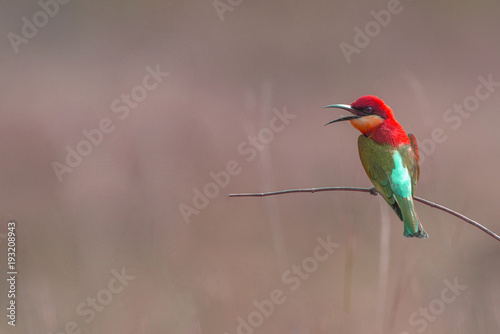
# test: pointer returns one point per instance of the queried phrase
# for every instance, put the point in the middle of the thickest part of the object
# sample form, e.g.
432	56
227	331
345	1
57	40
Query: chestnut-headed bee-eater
389	157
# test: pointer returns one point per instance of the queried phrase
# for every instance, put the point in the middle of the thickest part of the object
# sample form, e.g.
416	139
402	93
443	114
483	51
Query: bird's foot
373	191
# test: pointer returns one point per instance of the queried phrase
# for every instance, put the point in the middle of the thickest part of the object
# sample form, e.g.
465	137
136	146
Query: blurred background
126	124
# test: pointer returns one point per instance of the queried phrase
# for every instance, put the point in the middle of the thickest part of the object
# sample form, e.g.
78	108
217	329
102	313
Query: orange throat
367	124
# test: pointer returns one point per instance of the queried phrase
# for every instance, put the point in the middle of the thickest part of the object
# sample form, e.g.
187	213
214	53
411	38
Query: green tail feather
412	226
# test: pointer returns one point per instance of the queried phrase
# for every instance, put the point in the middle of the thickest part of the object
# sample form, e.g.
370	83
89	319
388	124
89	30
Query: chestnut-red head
373	118
368	105
372	105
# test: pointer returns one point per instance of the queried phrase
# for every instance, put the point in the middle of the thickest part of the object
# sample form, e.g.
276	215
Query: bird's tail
412	226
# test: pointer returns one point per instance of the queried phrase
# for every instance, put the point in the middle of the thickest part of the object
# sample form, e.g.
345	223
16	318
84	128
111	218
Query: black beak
345	107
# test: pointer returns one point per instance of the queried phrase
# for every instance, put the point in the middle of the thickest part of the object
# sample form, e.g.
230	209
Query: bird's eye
369	109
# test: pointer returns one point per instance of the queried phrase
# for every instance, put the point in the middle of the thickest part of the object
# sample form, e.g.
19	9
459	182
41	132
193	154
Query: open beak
347	107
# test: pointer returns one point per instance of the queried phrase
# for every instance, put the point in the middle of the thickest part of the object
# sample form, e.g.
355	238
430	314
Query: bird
389	157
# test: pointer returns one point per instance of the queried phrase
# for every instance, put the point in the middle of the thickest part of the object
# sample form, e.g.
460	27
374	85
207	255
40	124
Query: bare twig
373	192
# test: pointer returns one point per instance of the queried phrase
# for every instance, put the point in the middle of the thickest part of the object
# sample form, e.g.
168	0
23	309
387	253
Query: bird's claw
373	191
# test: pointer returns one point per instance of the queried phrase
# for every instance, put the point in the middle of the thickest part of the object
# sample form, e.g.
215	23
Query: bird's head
368	112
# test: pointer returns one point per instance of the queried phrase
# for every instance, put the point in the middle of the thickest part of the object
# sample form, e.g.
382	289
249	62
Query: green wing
377	162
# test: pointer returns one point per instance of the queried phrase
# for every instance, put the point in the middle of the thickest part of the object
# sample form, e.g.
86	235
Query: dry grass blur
119	208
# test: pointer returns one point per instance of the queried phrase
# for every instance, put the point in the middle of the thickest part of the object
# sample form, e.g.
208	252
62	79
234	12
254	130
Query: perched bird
389	157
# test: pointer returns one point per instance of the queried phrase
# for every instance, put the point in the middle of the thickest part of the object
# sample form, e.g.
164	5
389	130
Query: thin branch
373	192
